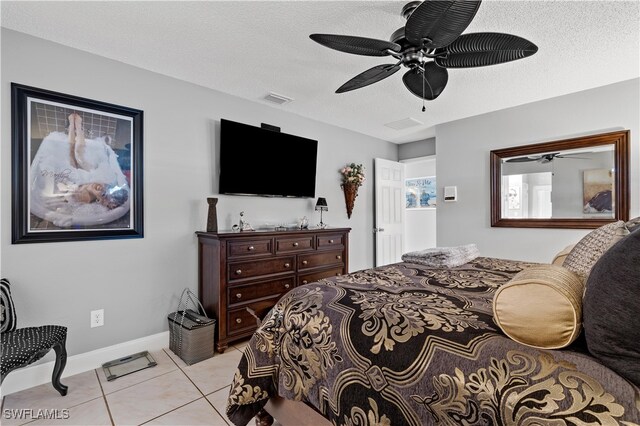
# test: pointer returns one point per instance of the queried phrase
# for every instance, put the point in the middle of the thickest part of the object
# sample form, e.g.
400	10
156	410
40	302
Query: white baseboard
28	377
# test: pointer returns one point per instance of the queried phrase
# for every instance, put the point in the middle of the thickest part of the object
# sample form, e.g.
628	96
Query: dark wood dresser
240	270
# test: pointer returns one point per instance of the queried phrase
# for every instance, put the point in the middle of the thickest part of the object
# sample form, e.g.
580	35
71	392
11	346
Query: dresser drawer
328	241
255	268
288	245
247	292
315	276
239	319
308	261
249	247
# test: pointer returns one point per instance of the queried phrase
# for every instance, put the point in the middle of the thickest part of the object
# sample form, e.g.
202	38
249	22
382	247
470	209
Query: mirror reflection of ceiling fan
429	44
544	158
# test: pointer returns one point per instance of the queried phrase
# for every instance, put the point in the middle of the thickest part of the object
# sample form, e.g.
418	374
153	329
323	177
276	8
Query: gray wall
423	148
138	282
463	159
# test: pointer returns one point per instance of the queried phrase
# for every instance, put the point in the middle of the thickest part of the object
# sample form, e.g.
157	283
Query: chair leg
61	362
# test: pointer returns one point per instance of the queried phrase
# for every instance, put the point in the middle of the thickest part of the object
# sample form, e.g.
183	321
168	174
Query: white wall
420	224
138	281
463	159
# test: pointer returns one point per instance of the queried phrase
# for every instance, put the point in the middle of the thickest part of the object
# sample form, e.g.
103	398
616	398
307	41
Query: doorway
420	218
404	221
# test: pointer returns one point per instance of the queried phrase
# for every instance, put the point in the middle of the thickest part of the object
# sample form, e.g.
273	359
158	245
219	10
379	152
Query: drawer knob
330	241
286	286
304	262
251	248
238	271
304	281
296	244
239	320
286	265
239	295
338	274
338	257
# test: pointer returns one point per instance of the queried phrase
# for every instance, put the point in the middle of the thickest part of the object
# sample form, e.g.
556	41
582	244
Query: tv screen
257	161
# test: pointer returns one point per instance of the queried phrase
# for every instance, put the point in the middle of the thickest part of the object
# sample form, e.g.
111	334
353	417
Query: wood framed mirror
573	183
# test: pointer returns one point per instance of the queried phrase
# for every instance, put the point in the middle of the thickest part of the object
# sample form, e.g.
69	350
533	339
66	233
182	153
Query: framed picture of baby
77	168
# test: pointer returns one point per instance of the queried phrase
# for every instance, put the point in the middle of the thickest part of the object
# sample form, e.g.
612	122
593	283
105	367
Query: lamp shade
321	204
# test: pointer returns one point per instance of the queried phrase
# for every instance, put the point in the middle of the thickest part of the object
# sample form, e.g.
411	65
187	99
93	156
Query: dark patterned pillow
611	306
589	249
7	311
633	224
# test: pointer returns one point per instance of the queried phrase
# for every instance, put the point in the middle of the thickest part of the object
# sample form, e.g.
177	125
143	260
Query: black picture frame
77	168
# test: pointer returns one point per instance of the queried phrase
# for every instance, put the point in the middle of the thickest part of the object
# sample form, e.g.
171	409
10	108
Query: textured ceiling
248	49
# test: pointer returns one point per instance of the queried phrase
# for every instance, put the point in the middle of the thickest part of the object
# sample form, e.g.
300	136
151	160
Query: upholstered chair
23	346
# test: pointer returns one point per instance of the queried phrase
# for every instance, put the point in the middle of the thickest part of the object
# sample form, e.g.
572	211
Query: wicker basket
191	334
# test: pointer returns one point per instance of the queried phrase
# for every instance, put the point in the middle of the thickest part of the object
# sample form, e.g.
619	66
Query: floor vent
405	123
275	98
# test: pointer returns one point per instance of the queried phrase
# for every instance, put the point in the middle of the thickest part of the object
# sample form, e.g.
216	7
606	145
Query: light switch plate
450	194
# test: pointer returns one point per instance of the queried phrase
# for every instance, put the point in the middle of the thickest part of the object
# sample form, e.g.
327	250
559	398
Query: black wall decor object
427	45
76	168
212	217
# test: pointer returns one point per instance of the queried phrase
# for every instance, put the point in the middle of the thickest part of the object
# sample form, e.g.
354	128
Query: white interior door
389	212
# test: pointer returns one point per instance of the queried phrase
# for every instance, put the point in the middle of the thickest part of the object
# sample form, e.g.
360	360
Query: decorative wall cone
350	194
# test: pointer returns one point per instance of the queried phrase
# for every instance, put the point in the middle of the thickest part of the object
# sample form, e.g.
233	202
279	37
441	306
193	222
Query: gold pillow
541	307
562	255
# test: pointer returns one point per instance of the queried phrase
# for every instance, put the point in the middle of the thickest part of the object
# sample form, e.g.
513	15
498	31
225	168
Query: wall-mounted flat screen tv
257	161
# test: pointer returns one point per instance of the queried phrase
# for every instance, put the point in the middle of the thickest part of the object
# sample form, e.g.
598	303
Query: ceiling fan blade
439	21
571	157
434	77
522	159
370	76
481	49
356	45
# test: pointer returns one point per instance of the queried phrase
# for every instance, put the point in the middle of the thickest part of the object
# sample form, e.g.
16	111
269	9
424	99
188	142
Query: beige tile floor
171	393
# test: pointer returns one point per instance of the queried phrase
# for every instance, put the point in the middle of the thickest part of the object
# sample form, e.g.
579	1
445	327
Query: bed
408	344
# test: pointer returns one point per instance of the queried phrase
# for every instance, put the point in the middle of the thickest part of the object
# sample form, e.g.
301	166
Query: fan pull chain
423	107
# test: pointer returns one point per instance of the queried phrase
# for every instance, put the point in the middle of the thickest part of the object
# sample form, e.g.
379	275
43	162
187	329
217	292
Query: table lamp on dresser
321	206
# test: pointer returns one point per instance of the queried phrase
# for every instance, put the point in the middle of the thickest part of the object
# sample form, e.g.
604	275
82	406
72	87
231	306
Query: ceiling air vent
274	98
405	123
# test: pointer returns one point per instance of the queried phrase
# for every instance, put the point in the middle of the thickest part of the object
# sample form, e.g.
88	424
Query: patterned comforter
407	344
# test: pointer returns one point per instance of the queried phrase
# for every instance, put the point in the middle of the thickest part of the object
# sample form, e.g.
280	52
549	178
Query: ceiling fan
544	158
427	45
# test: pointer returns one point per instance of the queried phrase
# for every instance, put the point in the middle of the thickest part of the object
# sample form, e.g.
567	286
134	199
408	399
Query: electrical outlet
97	318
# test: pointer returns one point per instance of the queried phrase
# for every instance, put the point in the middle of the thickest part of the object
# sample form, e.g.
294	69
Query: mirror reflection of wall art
420	193
77	168
598	191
